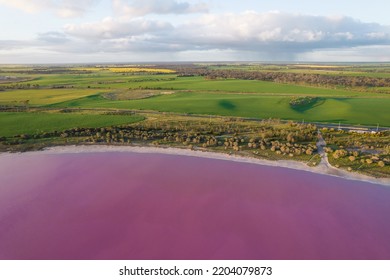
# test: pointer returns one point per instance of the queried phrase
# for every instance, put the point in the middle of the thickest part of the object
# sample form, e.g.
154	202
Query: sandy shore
322	169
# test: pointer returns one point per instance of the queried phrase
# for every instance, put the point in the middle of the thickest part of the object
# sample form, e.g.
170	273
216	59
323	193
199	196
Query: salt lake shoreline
330	171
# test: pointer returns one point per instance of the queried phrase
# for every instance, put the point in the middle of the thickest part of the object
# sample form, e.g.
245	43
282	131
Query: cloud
53	37
249	35
246	31
13	44
275	31
110	28
27	6
62	8
137	8
47	40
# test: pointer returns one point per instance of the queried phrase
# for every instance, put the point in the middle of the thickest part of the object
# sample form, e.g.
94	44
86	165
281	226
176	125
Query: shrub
340	153
302	101
309	152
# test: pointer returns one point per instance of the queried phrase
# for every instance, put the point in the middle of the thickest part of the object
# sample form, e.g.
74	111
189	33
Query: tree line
281	139
286	77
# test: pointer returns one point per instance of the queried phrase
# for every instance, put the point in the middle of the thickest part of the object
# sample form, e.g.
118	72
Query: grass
105	81
374	70
126	69
43	96
28	123
245	98
368	111
239	86
358	167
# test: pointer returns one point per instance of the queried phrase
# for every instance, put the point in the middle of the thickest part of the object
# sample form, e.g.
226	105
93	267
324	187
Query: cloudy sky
87	31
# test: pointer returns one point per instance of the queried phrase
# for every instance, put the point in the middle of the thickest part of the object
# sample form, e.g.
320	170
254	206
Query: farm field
328	71
83	88
327	109
42	96
29	123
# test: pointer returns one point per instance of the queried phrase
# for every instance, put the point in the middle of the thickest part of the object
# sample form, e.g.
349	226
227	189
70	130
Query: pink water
153	206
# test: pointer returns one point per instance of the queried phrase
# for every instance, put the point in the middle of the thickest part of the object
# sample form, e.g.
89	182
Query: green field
112	81
197	95
43	96
29	123
327	109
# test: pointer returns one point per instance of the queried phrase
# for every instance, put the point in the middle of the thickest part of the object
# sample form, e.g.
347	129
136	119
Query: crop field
43	96
236	86
331	110
375	70
126	69
80	87
29	123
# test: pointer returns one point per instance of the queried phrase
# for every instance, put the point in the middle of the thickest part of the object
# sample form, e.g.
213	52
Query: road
321	144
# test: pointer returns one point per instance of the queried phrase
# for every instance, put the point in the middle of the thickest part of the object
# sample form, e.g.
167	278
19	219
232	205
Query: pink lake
155	206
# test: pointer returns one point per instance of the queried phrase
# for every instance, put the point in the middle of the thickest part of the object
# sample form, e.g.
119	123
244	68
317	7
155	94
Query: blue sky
87	31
